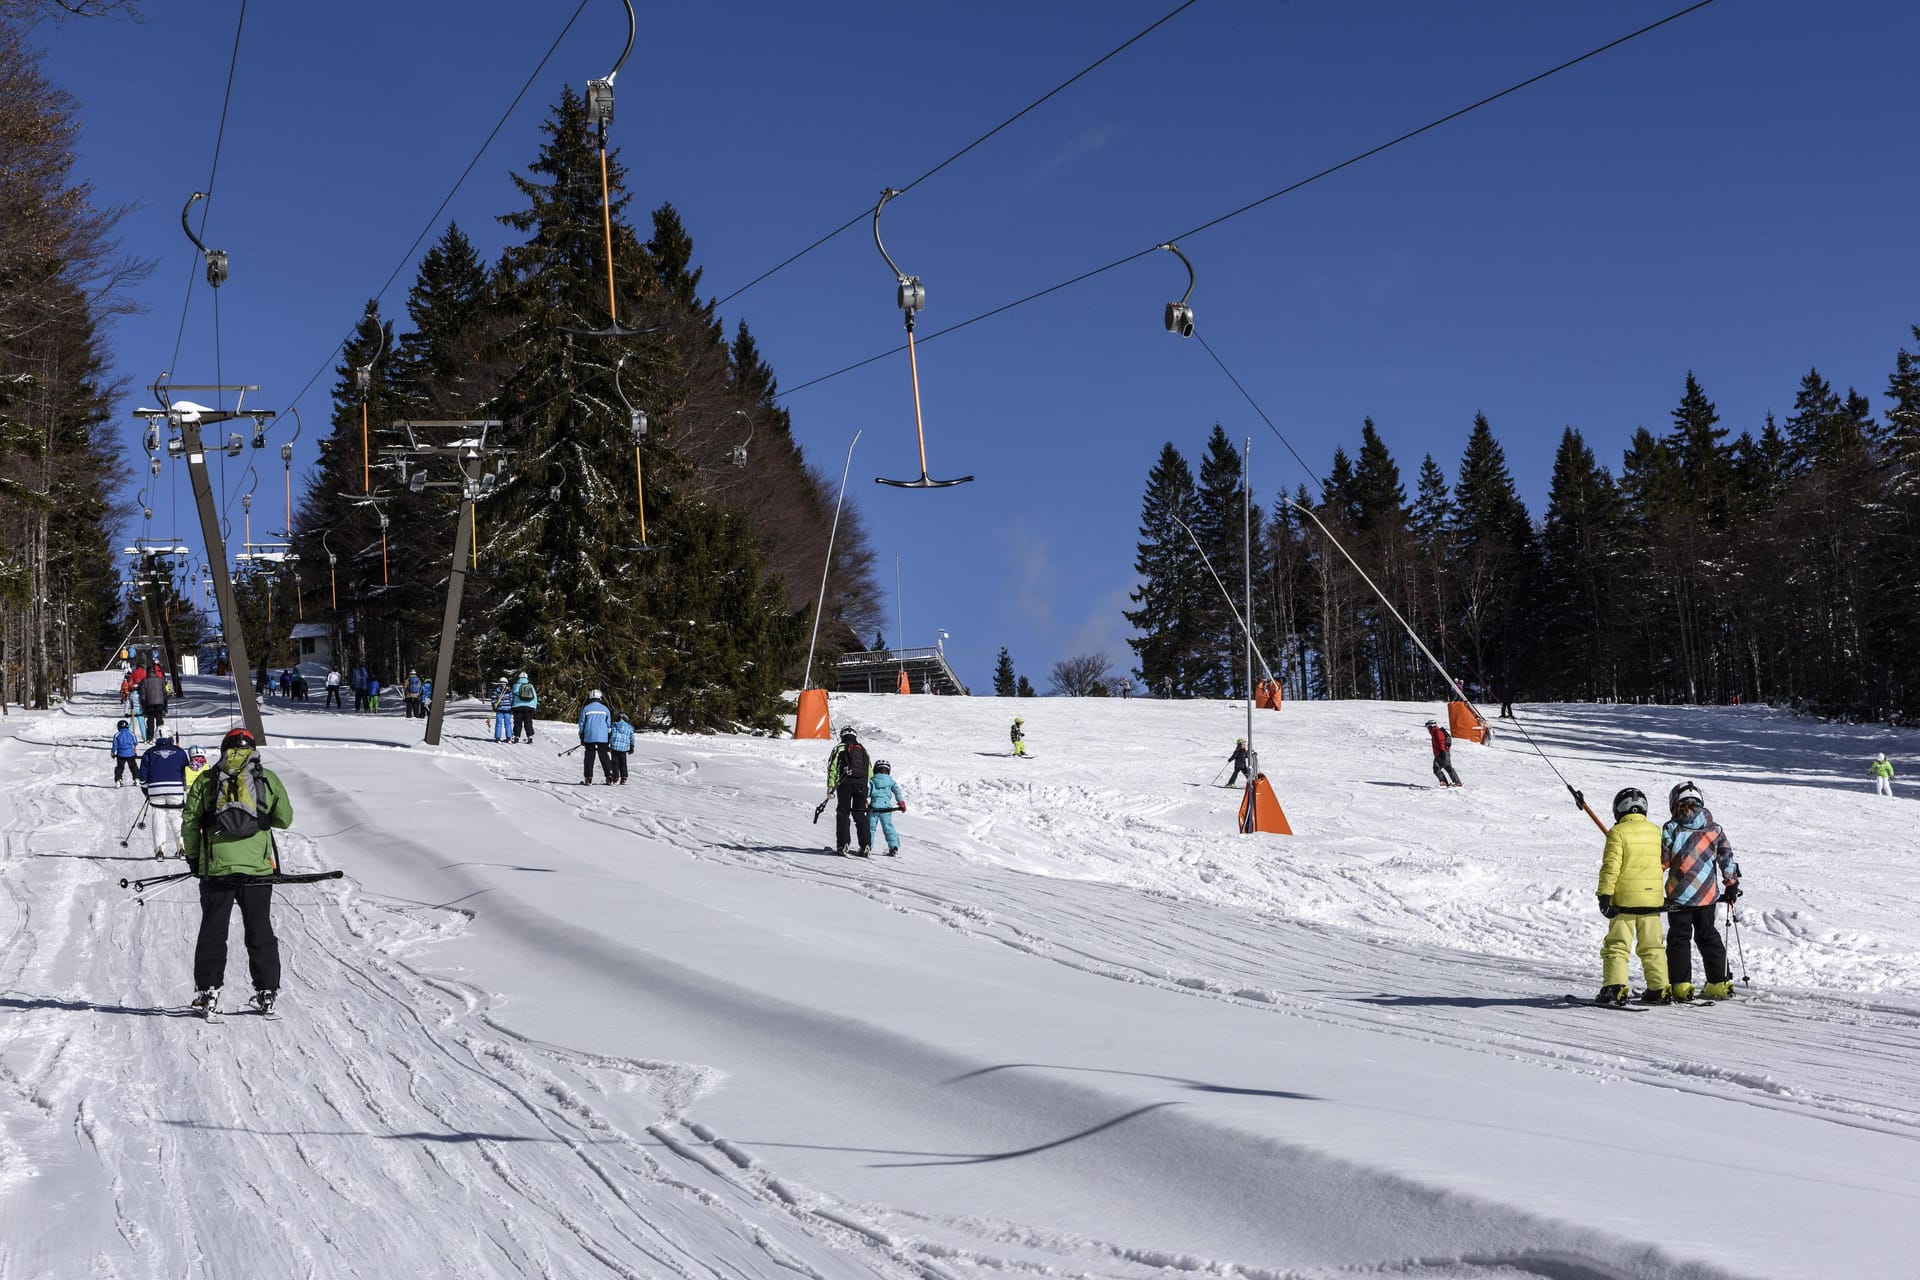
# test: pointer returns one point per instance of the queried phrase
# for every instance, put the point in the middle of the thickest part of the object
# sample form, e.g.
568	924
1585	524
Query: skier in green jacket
1882	773
226	832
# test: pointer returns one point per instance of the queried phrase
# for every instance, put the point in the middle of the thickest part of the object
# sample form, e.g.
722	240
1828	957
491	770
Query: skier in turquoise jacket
884	799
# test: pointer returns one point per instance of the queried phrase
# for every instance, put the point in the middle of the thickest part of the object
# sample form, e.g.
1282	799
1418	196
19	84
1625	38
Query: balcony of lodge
878	671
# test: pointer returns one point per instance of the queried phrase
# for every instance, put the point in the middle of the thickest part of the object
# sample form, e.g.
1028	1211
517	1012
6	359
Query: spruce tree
1025	689
1493	540
1005	683
1574	602
1219	522
1169	646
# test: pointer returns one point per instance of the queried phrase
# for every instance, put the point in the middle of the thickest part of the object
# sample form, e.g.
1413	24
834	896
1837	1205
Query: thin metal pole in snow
806	679
1246	536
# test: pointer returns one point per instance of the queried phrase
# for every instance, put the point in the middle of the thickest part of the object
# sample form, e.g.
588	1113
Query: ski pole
1219	775
139	820
149	881
570	750
1733	923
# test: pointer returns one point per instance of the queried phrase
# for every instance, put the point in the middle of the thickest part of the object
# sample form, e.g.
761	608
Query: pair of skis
1589	1001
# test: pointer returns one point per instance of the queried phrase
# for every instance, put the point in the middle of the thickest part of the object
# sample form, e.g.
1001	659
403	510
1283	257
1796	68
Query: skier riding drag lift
600	111
912	296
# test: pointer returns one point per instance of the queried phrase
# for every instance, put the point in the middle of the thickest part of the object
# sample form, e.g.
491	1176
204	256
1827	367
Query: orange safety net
812	721
905	685
1267	694
1267	815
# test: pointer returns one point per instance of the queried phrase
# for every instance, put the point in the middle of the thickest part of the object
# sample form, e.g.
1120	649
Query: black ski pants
333	697
523	723
216	913
591	751
853	801
156	715
1690	927
125	763
1239	772
617	765
1443	768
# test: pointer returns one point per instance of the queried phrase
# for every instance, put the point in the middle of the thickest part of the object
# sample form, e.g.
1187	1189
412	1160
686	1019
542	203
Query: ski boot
1655	995
1682	992
842	851
1718	990
207	1004
263	1001
1612	994
893	851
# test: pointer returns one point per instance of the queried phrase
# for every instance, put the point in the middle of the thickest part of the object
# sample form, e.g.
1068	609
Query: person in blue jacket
123	748
596	727
411	692
163	776
884	799
525	702
502	711
620	745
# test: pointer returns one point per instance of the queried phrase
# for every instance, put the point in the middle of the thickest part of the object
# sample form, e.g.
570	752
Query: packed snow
1080	1027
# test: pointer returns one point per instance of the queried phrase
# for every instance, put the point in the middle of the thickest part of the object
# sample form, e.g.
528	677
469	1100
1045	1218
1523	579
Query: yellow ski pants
1627	934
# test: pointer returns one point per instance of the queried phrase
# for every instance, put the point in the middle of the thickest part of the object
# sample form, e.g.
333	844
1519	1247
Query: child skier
1442	742
163	776
619	747
1633	898
884	799
122	749
1699	861
1882	773
1019	737
502	711
1239	762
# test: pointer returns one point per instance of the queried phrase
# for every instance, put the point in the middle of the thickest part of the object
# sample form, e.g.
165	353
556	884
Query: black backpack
855	764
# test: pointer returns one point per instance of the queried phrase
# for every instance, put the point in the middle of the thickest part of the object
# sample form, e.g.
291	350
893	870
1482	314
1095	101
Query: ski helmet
593	695
848	735
1685	794
881	766
1433	724
1883	755
523	675
1018	720
1239	742
236	738
1629	800
121	725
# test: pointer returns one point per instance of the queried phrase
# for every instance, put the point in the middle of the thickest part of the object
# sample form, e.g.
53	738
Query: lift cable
1255	204
213	172
434	219
1057	89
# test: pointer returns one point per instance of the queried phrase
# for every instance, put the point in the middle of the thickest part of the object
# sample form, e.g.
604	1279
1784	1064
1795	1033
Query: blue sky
1732	194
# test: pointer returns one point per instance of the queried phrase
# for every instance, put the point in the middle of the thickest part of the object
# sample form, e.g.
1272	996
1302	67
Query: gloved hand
1733	891
902	806
1606	905
1579	801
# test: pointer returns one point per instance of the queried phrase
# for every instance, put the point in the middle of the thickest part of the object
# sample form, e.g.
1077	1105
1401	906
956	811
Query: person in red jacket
1442	754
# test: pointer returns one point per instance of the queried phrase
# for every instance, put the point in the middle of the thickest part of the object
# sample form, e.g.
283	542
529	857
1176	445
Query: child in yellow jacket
1633	897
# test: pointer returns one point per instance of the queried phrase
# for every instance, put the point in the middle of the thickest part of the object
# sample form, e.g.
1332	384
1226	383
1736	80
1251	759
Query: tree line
1780	565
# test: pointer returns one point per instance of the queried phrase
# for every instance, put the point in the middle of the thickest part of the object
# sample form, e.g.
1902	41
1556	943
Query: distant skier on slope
227	833
620	746
525	702
1239	762
1699	862
163	776
1019	736
1633	898
849	773
884	799
596	726
412	695
1442	743
122	748
153	699
502	710
1881	771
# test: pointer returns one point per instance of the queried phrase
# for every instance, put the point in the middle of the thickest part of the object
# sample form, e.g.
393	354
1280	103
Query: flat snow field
1081	1027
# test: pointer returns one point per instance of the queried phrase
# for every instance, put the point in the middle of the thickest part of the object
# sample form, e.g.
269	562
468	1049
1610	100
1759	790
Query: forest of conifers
1780	564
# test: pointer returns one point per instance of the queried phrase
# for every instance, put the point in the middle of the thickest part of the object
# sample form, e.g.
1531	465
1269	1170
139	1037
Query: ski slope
1080	1028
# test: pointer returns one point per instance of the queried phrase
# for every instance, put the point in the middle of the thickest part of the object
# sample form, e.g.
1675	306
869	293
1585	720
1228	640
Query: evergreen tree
1025	689
1169	646
1493	541
1220	524
1575	599
1005	683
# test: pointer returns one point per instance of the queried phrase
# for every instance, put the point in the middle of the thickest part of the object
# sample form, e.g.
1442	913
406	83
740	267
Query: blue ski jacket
123	742
884	793
596	723
620	737
524	694
413	686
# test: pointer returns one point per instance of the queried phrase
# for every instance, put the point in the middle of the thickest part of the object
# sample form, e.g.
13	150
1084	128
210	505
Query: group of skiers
1679	872
514	700
605	735
143	693
867	796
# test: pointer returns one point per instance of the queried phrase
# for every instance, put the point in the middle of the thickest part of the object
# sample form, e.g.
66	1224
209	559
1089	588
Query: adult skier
1700	873
1019	736
619	746
153	699
525	701
849	773
1442	743
1239	762
227	833
413	689
1881	770
884	799
1633	898
123	747
163	776
333	689
596	726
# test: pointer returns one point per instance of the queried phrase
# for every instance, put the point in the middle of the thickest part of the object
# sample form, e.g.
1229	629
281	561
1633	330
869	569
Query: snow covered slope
1080	1028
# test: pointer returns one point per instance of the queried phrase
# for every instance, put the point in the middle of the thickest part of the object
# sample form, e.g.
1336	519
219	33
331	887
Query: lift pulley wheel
911	297
1179	314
